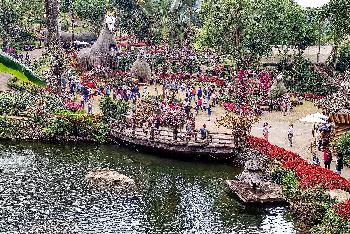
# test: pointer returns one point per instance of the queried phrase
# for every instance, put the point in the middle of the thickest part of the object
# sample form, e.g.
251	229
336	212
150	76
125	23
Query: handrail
215	139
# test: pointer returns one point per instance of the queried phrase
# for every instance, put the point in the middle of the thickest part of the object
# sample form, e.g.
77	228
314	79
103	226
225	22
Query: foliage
309	205
309	176
114	109
90	10
300	77
11	66
331	224
17	18
278	89
132	19
174	118
338	13
240	126
26	102
13	83
342	146
248	28
344	59
286	178
70	126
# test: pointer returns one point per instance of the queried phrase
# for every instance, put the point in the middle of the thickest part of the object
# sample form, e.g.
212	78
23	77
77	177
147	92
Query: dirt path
3	82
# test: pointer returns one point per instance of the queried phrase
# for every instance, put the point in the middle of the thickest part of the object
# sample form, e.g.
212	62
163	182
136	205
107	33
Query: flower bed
309	176
343	210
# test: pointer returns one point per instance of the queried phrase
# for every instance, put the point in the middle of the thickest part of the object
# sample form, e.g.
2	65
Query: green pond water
43	190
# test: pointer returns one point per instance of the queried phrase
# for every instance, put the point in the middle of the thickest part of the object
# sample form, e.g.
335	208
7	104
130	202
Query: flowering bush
309	176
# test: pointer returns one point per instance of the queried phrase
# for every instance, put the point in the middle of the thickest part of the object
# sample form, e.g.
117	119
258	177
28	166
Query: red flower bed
73	106
309	176
229	106
343	210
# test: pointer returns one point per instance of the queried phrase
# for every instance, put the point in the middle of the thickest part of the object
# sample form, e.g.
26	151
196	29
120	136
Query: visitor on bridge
204	132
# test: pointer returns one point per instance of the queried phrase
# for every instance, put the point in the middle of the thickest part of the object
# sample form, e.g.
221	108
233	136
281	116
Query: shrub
342	146
308	205
331	224
114	109
24	102
301	78
344	59
277	90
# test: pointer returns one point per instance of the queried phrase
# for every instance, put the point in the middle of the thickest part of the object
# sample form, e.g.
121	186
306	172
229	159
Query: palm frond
14	67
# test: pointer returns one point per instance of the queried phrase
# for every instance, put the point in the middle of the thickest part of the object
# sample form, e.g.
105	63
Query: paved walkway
302	132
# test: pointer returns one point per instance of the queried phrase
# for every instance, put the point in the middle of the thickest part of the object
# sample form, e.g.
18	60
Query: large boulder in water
110	178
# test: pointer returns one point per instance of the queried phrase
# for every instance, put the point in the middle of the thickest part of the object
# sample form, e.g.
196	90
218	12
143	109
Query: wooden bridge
219	146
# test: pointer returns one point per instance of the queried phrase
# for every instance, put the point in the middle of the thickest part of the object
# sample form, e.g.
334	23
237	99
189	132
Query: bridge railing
166	135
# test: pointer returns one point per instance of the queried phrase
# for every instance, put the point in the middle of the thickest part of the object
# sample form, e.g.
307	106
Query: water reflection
43	191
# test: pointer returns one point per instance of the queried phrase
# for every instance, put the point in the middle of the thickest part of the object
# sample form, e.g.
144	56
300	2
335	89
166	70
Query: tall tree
248	28
338	13
52	13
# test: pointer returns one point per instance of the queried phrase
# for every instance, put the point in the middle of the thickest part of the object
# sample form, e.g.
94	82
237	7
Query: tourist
199	93
145	92
209	112
290	135
200	103
214	99
327	157
196	109
89	108
270	104
205	104
82	102
204	132
190	130
339	163
266	129
315	159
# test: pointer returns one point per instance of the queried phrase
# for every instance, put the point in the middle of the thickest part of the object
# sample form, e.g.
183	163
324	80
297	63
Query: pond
43	190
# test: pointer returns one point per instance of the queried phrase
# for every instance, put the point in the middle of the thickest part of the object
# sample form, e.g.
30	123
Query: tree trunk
52	12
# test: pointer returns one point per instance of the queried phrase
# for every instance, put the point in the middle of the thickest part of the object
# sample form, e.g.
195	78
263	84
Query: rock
339	195
252	165
253	185
110	178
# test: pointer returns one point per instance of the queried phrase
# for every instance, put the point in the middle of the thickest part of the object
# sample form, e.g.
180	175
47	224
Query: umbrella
312	119
320	116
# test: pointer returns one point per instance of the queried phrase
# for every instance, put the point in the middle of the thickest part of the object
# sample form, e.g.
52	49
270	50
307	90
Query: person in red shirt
327	157
200	103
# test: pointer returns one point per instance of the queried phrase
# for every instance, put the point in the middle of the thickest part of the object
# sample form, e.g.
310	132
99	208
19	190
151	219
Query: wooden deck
218	146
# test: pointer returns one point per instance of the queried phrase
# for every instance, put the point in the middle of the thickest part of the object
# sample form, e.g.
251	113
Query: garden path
279	127
302	132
